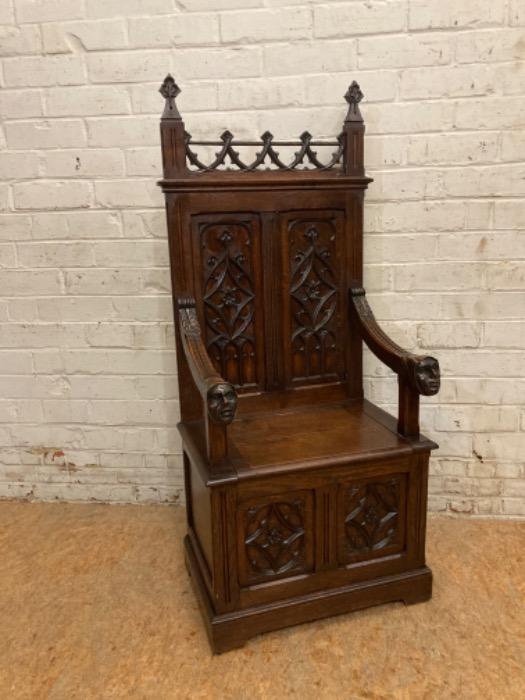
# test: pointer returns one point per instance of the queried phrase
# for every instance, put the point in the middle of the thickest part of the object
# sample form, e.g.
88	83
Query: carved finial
354	96
169	91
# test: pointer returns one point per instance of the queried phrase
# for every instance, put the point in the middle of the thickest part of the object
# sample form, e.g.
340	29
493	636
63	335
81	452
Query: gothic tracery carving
229	297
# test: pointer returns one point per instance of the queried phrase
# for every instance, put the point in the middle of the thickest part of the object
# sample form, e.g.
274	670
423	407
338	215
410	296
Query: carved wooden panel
229	277
314	260
275	537
371	518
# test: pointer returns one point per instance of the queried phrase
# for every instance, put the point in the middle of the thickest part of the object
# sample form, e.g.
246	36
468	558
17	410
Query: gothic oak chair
303	499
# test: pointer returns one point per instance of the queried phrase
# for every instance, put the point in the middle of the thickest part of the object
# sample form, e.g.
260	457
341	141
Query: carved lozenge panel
314	256
275	537
371	518
229	276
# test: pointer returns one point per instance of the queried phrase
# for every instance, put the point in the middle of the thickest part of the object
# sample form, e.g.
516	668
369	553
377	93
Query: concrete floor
96	603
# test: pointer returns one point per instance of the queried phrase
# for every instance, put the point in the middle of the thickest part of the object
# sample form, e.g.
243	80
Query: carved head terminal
426	376
222	402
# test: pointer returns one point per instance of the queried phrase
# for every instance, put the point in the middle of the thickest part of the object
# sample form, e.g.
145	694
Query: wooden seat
303	499
311	436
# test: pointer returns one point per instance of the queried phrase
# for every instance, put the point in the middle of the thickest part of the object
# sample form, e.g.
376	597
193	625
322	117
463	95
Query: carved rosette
313	299
275	538
371	516
229	300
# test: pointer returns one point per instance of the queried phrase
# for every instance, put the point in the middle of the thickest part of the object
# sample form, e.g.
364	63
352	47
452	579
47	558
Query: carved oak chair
303	499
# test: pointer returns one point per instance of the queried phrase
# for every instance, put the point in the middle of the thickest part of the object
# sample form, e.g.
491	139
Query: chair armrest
416	374
421	372
218	395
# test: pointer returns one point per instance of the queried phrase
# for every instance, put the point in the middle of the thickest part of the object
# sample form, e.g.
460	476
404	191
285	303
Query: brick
15	227
20	411
69	37
20	40
399	248
500	446
42	335
46	134
96	9
78	224
94	361
108	335
489	46
16	362
18	165
449	335
198	5
126	193
513	506
489	305
209	63
512	146
403	51
152	253
501	113
509	78
87	101
19	104
123	131
414	307
438	275
25	283
143	162
193	29
407	118
7	255
64	309
517	13
483	245
144	308
334	56
287	23
116	282
509	214
476	419
436	149
144	224
506	275
443	15
52	194
260	93
505	334
415	216
482	363
359	18
42	71
385	151
127	67
446	81
7	15
55	254
4	197
488	181
399	184
47	10
83	163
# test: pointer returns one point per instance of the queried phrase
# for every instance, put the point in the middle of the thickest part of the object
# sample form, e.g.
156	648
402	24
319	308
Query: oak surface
304	499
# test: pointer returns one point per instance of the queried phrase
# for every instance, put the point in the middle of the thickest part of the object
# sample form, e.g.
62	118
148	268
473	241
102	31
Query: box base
231	630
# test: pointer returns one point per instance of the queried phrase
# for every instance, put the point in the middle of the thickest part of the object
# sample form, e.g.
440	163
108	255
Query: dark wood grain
304	500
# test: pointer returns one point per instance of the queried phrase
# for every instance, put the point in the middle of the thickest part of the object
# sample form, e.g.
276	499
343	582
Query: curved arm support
417	374
219	395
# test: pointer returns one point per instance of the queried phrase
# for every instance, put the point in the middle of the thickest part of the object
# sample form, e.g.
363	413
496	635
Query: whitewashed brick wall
88	398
